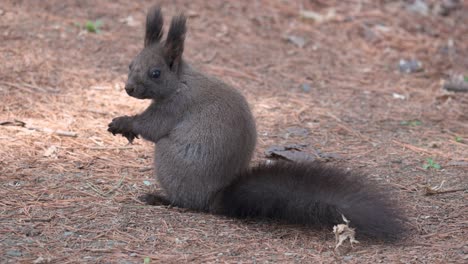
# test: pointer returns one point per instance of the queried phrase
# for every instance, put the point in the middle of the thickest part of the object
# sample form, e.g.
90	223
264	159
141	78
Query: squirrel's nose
129	88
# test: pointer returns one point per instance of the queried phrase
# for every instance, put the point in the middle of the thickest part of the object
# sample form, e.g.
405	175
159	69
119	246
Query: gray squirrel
205	135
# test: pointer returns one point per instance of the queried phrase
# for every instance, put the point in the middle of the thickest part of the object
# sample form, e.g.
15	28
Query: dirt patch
72	198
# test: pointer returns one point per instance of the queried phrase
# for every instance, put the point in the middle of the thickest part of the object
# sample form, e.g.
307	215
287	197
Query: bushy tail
311	194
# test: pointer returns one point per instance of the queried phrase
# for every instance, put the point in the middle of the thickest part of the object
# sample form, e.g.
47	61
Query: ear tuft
174	46
154	25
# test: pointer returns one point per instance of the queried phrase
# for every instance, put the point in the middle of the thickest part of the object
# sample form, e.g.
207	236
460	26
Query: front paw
122	125
119	125
154	199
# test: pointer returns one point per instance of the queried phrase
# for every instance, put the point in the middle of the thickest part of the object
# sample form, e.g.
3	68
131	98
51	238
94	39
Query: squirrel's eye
155	73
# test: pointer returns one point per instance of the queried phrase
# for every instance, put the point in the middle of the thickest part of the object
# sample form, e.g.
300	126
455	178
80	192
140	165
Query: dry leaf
97	140
51	152
331	13
290	152
344	232
41	260
399	96
430	190
129	21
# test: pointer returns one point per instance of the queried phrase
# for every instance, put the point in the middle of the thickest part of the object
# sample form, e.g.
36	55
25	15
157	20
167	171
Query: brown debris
344	233
432	190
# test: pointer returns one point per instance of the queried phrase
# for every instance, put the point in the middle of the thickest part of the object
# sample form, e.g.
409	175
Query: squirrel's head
154	72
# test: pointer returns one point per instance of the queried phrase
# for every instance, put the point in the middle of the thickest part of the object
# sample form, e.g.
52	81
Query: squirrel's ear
154	26
174	46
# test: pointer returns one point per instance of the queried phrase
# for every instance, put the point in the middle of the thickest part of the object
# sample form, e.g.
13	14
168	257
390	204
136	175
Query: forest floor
320	73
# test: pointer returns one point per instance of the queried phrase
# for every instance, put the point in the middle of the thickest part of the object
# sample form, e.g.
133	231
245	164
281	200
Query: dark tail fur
311	194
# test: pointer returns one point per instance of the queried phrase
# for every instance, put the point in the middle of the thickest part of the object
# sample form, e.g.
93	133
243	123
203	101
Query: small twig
233	72
106	148
431	192
421	150
428	190
51	131
96	189
98	148
350	130
93	195
441	234
145	169
100	250
13	123
38	220
405	187
40	129
22	85
96	112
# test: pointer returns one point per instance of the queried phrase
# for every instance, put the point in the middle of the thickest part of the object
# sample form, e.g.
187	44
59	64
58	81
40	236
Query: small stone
456	83
306	87
410	66
369	34
445	7
147	183
79	165
133	254
296	40
296	131
32	232
68	233
419	6
14	253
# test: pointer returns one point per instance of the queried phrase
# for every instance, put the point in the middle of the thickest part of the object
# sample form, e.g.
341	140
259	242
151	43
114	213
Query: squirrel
205	135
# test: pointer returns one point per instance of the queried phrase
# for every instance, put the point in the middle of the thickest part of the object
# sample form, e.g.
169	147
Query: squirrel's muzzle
129	89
